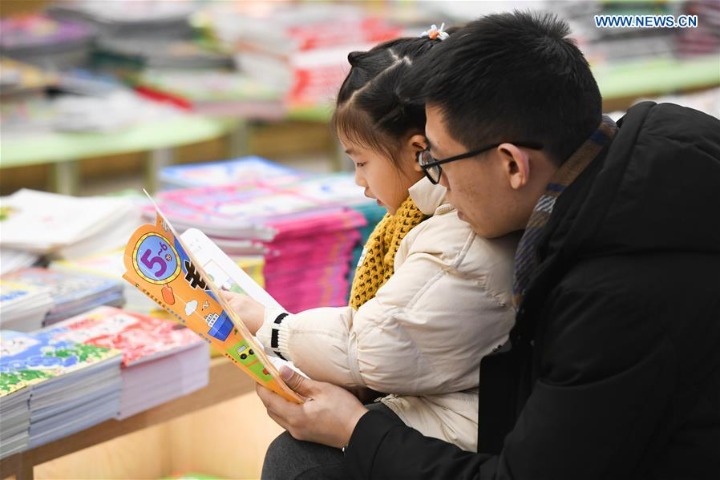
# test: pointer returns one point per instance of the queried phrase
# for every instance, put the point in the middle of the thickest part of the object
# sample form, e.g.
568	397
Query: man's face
478	186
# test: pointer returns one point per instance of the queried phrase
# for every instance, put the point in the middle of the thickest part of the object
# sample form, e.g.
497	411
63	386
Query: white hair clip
436	33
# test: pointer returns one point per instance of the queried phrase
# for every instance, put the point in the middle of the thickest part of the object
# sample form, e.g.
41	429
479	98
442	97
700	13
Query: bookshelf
226	382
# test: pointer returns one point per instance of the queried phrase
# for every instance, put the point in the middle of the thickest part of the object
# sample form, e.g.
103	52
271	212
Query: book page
224	273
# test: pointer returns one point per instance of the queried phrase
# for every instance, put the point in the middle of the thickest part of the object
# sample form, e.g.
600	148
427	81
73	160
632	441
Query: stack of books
79	225
161	359
147	20
12	259
46	42
73	386
300	48
704	38
71	292
15	413
340	188
225	172
23	307
219	93
108	265
307	227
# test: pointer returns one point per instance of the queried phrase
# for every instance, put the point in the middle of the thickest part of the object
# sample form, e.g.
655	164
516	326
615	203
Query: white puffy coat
422	336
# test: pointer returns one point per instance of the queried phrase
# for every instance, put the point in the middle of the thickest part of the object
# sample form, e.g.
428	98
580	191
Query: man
613	367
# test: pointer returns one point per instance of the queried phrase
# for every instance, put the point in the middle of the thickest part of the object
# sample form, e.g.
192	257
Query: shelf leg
66	177
157	159
239	140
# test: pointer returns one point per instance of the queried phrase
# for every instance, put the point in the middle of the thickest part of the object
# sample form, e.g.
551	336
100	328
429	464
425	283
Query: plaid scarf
377	263
526	259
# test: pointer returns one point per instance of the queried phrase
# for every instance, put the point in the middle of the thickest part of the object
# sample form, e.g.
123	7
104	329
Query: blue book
71	292
238	170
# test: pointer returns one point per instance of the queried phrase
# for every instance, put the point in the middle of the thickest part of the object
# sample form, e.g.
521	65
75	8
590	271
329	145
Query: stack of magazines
72	386
108	265
23	307
15	414
66	226
71	292
161	359
300	48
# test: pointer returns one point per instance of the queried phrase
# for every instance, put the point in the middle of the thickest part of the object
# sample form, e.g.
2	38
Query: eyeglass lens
433	173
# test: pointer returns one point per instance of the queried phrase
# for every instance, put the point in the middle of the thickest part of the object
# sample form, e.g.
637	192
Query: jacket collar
427	197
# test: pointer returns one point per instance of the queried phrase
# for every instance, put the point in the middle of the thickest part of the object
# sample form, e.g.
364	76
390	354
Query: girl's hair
371	109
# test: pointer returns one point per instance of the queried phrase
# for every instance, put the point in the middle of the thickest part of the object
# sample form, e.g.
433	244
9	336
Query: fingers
300	384
227	295
230	298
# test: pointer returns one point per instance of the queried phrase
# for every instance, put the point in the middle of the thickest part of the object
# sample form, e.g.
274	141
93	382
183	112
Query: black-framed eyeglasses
433	171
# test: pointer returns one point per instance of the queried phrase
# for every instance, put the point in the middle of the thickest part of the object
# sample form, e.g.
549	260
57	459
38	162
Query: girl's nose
359	178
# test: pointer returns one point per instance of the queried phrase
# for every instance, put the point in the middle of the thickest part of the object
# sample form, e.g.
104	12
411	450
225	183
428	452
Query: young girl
429	296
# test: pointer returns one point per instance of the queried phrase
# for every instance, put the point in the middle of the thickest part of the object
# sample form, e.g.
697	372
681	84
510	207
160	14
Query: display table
226	382
624	82
64	150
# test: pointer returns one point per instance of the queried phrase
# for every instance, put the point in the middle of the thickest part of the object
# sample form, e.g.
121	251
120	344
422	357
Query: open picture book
184	275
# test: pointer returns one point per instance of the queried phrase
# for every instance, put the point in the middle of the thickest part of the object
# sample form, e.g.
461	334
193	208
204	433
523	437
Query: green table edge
55	147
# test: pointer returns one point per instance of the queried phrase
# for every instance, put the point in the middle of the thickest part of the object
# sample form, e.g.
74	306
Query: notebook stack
108	265
66	226
72	386
15	414
299	48
40	40
71	292
12	259
226	172
161	359
23	307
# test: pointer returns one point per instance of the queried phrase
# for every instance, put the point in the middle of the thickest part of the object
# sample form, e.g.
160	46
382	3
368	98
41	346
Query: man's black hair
513	77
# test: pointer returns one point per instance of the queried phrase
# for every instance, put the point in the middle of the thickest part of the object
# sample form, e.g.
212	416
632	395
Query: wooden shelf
226	382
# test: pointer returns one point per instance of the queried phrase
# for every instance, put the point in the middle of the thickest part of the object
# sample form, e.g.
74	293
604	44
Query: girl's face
380	177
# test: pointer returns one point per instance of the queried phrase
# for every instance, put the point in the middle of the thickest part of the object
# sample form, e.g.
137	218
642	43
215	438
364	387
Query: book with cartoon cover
165	267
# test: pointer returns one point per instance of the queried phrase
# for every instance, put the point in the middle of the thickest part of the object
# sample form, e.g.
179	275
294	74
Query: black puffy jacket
614	370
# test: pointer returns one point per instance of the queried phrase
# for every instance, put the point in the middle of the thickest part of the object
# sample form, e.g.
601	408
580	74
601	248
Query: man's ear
516	165
415	144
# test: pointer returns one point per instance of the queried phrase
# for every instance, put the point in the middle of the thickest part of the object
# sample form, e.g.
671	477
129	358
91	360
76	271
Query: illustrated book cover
162	265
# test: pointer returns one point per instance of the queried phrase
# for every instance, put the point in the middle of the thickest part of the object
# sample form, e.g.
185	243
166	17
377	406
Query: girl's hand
250	312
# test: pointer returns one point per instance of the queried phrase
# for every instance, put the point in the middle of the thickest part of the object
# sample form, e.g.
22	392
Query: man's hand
328	416
250	312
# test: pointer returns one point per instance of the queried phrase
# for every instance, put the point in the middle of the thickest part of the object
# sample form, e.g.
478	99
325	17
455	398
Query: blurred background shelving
113	77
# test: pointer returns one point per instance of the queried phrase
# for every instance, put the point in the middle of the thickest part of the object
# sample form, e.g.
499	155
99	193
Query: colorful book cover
158	262
141	338
31	358
64	287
